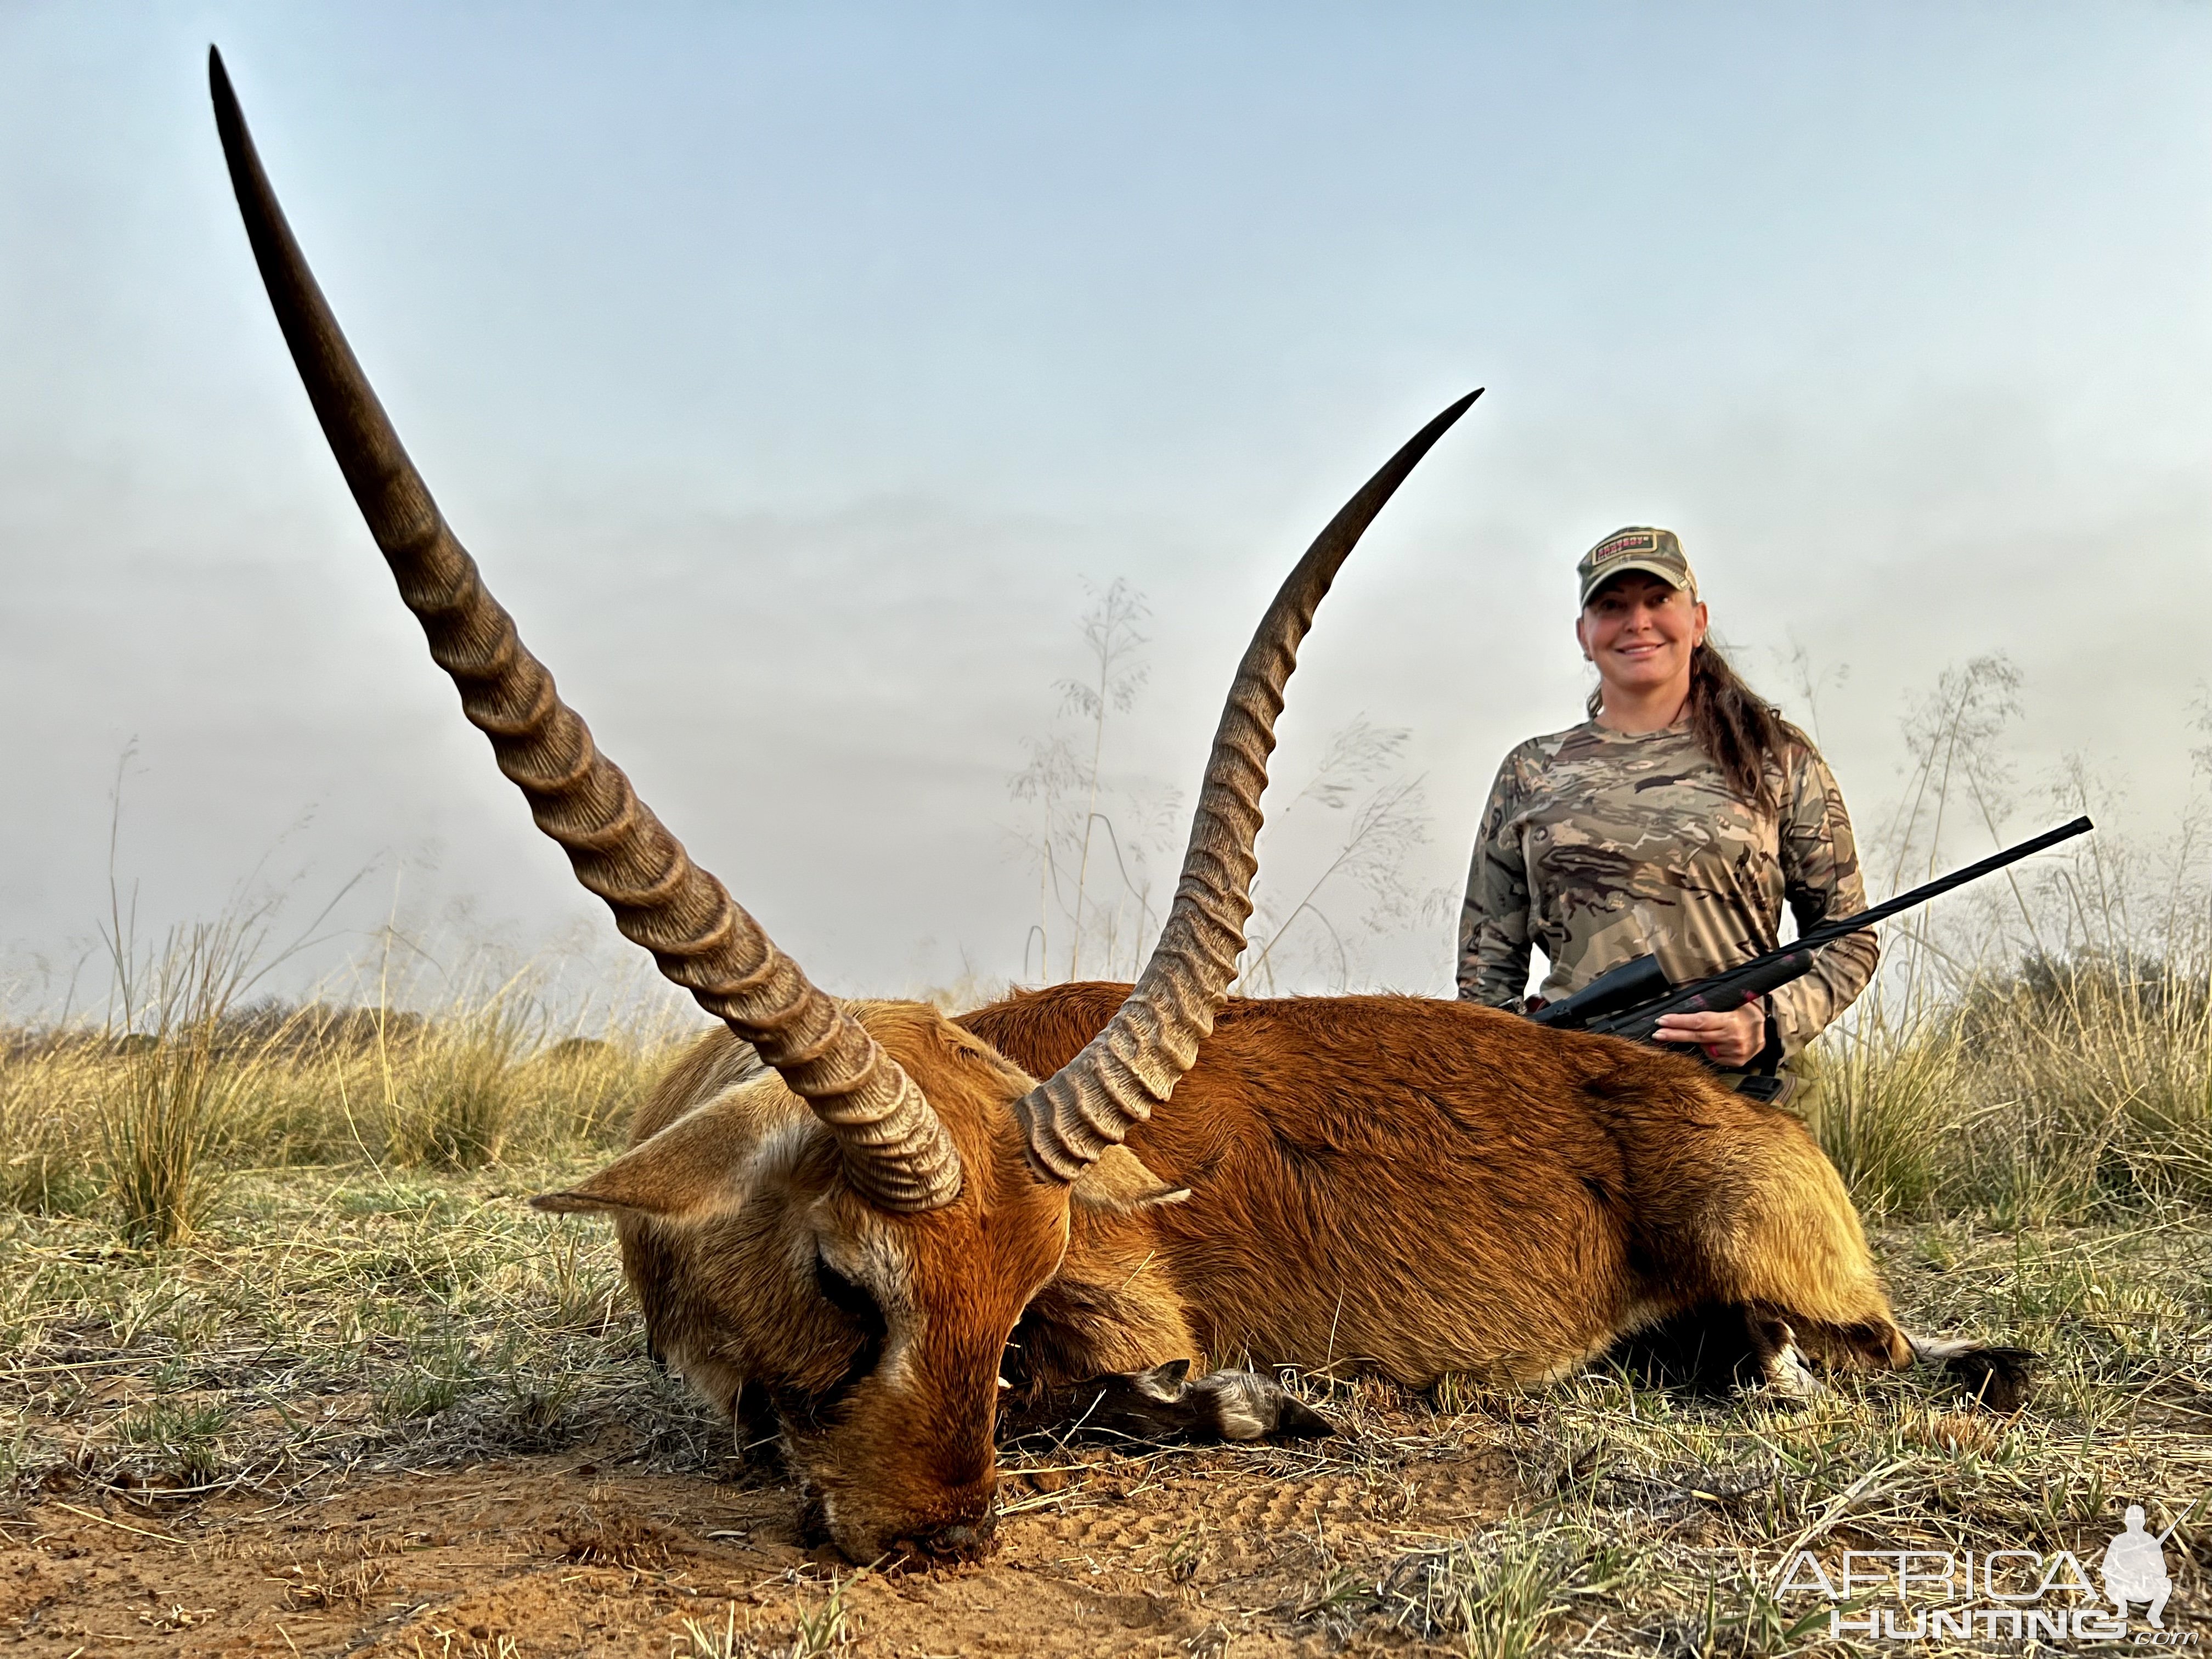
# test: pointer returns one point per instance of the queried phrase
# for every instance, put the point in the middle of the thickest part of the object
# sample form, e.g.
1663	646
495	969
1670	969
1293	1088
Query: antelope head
845	1240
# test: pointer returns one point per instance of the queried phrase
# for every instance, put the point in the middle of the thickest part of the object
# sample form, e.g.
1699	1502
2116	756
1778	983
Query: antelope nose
960	1541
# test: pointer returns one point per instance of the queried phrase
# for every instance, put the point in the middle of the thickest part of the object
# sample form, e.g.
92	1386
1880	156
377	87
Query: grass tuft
185	1437
2050	1093
828	1629
1502	1594
147	1118
171	1093
455	1102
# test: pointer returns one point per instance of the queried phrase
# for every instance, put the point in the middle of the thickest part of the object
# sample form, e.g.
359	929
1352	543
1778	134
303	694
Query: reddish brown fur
1379	1183
1415	1188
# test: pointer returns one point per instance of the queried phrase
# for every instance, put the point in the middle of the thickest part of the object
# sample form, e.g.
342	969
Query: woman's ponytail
1740	731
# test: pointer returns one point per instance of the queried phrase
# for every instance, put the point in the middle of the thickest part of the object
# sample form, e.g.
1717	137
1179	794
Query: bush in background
2062	1089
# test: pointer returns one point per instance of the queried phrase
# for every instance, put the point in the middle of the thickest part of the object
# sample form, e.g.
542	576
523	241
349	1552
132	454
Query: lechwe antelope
861	1221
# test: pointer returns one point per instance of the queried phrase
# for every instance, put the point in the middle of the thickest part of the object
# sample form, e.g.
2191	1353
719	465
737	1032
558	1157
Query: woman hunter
1677	820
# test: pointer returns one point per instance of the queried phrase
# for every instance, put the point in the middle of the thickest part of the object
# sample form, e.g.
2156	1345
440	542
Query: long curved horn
897	1152
1092	1102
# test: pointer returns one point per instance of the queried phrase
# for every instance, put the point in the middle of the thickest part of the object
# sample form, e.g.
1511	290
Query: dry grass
329	1323
146	1126
263	1248
2052	1095
1656	1520
324	1317
2055	1093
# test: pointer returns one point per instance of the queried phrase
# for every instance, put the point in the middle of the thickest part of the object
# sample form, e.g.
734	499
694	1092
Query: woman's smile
1640	631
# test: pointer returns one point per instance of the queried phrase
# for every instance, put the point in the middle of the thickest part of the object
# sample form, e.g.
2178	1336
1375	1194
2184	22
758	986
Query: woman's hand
1730	1041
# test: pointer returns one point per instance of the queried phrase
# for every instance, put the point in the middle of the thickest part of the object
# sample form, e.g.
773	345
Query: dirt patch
1160	1552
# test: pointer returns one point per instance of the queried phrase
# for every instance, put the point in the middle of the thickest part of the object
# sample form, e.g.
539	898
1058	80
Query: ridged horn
1133	1064
897	1152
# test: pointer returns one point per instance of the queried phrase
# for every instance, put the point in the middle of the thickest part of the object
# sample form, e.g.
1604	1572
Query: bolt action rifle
1629	1001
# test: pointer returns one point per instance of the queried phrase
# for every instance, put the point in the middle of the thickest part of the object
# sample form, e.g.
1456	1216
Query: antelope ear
1120	1182
1169	1377
690	1165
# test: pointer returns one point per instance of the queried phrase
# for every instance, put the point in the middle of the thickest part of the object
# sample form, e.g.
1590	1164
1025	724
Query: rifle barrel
1838	929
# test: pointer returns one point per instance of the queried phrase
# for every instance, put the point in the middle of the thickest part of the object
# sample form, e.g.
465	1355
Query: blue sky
790	370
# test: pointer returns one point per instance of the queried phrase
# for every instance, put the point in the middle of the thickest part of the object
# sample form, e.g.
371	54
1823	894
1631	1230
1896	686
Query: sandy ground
1195	1552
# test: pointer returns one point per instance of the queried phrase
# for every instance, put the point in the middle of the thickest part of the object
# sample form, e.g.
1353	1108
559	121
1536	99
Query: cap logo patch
1642	541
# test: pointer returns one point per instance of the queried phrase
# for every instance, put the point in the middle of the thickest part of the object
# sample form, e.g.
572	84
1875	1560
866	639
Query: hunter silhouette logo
2135	1568
1996	1595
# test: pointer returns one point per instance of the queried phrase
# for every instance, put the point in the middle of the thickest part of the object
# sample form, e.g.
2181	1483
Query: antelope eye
847	1296
861	1310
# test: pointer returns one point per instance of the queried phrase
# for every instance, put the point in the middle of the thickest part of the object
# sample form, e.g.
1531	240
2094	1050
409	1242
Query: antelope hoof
1787	1375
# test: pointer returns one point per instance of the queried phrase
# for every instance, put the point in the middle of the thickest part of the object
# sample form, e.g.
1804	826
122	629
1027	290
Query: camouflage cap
1639	547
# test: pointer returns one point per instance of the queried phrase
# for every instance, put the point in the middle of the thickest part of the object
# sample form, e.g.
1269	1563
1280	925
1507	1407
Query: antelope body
1411	1188
1380	1184
852	1218
1375	1183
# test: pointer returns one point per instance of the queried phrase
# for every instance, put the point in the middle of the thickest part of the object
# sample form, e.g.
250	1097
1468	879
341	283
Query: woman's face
1640	633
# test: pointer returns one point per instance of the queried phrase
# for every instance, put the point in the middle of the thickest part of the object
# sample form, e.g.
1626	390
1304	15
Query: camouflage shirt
1598	846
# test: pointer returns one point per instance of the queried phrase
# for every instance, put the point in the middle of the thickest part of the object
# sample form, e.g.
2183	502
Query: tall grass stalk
164	1108
2098	1076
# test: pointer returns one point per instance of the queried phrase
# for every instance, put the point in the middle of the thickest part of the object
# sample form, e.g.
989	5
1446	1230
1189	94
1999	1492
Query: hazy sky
789	370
